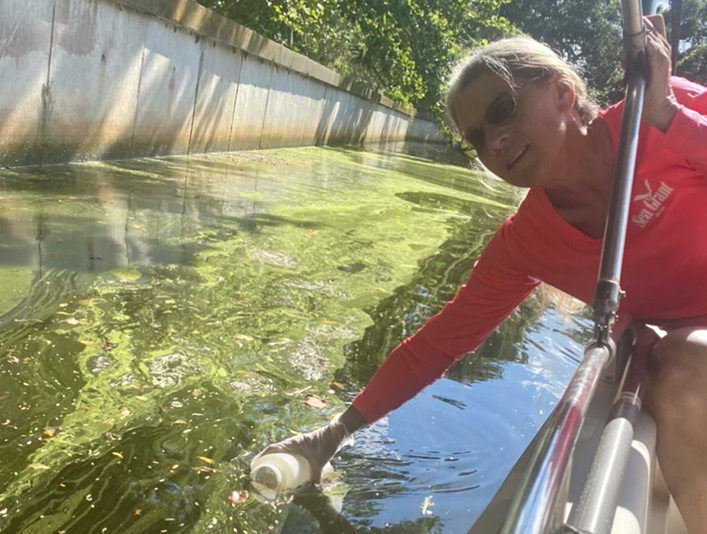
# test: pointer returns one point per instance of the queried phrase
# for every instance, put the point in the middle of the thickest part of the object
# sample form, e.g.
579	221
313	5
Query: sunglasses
499	112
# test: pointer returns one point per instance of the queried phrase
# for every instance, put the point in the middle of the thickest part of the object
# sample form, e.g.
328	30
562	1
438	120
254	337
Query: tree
405	48
402	48
692	51
587	33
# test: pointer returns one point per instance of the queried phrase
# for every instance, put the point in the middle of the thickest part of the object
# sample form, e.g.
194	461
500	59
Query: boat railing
538	506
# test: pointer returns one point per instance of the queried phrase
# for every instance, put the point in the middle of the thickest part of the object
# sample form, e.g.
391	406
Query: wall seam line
196	97
265	110
137	101
235	100
46	95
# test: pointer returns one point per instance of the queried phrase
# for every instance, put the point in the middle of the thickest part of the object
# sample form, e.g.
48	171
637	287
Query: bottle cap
268	478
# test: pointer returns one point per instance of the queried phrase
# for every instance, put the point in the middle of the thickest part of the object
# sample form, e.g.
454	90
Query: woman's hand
659	105
317	447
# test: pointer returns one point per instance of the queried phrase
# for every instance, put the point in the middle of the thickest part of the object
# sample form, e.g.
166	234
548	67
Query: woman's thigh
677	374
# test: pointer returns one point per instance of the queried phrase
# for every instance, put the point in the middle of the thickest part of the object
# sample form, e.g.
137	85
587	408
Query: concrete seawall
109	79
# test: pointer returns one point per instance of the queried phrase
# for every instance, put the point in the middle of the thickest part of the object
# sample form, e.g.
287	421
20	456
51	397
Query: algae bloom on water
162	321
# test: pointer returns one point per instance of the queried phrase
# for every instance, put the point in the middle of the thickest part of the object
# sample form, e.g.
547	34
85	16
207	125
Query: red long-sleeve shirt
664	268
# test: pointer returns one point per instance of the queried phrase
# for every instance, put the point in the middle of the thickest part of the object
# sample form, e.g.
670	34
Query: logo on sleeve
652	203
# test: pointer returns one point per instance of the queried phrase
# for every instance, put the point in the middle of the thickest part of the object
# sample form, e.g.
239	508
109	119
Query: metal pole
608	291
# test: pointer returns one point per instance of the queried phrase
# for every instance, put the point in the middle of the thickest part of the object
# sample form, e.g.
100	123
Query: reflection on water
162	321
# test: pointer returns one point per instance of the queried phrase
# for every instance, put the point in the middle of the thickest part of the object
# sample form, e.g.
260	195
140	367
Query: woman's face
519	134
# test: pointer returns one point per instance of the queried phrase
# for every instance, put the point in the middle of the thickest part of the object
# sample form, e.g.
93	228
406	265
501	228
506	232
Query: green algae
126	274
223	291
16	283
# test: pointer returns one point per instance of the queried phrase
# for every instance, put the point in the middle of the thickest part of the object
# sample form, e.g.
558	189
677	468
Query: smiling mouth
519	154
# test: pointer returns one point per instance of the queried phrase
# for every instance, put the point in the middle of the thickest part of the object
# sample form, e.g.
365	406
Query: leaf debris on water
202	469
39	466
314	402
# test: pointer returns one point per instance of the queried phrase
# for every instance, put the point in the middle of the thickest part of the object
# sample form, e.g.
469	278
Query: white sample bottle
277	472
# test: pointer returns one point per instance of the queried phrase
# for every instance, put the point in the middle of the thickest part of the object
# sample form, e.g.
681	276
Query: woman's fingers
660	105
657	22
317	447
657	45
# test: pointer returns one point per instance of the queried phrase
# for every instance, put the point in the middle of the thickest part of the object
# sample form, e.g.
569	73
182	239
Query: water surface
161	321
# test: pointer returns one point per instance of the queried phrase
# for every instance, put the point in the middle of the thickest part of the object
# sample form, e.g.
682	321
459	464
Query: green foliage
692	56
401	48
693	23
693	64
405	48
587	33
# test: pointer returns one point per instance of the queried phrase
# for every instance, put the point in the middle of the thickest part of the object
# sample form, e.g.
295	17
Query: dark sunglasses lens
501	110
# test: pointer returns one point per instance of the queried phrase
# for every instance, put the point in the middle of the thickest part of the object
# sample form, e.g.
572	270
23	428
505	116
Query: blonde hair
520	58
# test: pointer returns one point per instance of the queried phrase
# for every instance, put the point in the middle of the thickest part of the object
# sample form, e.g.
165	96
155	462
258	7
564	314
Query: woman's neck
586	173
582	189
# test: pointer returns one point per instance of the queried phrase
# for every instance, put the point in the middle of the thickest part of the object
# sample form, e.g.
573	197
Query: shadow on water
419	160
435	282
165	320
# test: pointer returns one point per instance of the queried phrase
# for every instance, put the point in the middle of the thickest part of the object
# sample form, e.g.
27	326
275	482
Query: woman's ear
565	93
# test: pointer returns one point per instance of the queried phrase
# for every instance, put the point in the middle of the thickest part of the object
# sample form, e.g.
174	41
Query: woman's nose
496	136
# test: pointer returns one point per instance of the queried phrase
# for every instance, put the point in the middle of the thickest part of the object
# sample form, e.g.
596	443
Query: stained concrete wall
106	79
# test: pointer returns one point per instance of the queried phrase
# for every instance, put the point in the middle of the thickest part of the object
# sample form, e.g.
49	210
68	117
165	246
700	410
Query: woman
526	114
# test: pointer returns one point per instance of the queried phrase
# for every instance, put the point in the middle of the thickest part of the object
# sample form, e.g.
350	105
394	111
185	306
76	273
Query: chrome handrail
536	507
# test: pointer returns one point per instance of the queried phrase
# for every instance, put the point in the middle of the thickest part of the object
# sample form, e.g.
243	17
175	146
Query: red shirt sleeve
687	133
496	286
